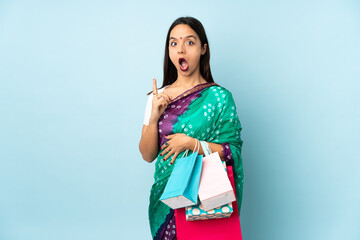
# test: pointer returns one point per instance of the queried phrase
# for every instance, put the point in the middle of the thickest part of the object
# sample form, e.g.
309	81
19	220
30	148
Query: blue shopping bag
182	187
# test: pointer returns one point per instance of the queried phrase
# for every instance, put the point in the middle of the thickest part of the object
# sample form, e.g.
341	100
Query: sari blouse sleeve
229	136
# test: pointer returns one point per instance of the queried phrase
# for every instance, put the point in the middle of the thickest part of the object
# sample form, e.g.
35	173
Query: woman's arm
213	146
148	145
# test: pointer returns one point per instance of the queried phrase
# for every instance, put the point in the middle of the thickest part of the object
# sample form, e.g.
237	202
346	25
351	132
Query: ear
203	49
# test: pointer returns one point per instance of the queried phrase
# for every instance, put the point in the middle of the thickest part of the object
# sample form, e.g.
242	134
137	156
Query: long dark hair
170	72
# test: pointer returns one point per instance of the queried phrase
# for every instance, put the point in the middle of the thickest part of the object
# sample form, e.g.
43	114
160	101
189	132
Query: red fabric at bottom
211	229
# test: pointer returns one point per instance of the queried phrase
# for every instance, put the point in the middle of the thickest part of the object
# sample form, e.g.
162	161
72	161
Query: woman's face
185	44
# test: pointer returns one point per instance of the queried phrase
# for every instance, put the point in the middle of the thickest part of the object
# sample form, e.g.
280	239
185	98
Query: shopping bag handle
206	148
196	145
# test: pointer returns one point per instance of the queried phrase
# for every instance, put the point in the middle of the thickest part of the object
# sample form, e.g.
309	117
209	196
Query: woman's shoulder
162	88
220	89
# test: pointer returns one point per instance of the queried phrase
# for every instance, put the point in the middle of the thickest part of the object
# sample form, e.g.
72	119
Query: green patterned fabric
211	116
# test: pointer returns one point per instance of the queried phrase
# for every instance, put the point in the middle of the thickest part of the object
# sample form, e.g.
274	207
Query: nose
181	48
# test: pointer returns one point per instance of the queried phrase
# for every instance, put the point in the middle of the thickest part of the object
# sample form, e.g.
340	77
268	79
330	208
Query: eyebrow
185	37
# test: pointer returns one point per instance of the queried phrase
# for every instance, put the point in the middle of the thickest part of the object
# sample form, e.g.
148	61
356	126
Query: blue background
73	79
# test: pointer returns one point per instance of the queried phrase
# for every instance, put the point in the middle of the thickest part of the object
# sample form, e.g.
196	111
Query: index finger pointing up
154	86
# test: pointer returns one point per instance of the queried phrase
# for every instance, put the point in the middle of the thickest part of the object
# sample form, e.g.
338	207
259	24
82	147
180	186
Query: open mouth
183	64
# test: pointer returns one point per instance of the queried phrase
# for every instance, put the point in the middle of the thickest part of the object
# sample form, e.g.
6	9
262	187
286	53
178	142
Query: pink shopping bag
215	188
212	229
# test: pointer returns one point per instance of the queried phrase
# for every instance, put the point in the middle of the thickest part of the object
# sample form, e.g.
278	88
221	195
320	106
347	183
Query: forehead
182	30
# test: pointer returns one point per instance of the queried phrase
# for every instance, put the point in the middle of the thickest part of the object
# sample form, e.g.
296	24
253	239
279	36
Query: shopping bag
213	229
215	188
182	187
197	212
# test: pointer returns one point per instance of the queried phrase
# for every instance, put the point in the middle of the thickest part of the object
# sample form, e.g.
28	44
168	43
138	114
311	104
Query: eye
191	42
172	43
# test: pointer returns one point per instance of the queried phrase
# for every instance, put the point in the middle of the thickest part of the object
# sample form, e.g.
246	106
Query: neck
187	82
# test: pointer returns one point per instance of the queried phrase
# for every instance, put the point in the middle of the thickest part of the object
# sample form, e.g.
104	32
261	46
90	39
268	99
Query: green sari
205	112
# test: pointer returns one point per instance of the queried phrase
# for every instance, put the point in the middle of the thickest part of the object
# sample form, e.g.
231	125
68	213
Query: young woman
188	107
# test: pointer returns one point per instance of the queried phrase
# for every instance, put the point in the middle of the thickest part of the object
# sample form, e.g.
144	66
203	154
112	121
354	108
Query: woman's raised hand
159	103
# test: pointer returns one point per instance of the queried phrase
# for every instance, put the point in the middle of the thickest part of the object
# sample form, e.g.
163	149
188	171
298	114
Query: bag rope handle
206	148
187	150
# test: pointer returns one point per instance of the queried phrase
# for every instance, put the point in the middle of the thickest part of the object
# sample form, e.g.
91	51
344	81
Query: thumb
169	136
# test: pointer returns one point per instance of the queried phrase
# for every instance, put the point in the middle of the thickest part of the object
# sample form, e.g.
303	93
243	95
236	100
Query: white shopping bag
215	188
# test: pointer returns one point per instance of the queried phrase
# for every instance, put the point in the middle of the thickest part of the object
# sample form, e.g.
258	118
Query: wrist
190	143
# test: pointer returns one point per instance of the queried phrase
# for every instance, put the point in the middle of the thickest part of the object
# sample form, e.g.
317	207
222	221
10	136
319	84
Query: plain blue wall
73	78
